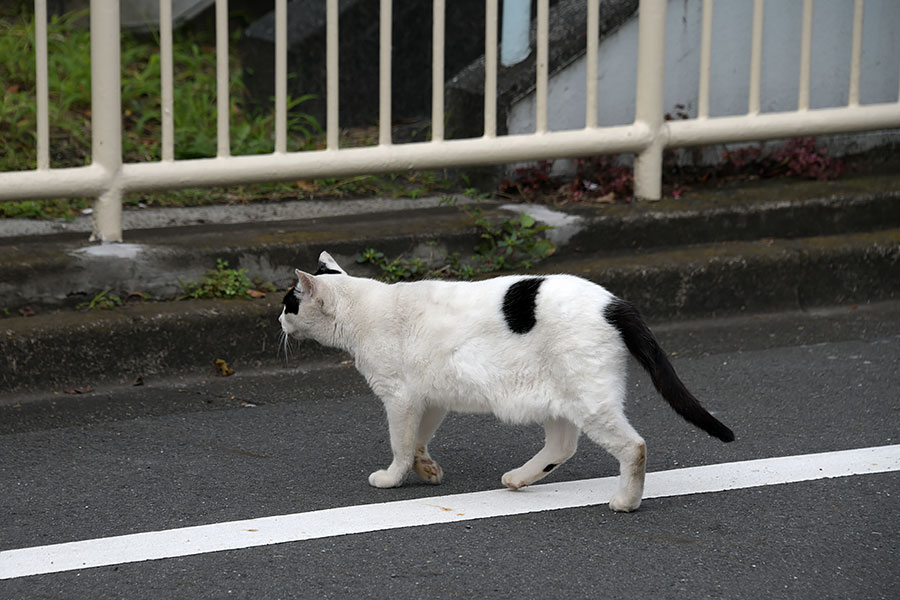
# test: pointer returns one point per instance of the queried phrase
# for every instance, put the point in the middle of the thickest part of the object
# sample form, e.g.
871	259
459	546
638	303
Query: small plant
799	157
220	282
103	301
397	269
515	243
599	178
529	181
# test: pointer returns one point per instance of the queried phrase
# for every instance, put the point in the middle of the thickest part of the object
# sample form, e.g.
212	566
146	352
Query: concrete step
56	270
748	276
73	349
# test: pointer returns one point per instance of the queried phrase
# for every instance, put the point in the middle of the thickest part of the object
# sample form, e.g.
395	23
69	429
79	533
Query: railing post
106	118
649	96
42	85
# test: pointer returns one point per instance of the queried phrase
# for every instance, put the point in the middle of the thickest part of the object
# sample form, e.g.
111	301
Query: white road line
443	509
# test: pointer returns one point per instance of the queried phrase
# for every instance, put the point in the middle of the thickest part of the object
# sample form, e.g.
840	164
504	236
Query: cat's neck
357	307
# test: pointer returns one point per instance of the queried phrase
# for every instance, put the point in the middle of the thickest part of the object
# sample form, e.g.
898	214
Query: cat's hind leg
614	433
560	442
425	466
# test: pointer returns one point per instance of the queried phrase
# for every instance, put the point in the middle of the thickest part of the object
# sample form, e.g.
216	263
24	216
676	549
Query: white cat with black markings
530	349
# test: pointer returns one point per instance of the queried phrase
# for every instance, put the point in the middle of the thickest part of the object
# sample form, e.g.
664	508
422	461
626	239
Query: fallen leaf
27	312
222	368
82	390
307	186
609	198
256	294
139	380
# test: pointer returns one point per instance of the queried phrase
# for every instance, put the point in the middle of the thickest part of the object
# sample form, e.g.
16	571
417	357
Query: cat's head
307	311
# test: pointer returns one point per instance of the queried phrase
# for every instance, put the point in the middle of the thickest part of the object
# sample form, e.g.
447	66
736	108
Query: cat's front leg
426	467
403	424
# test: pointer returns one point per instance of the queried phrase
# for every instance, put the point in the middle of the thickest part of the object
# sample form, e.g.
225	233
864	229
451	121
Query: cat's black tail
643	346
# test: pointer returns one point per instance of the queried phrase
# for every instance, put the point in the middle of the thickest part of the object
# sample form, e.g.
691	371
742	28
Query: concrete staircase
768	246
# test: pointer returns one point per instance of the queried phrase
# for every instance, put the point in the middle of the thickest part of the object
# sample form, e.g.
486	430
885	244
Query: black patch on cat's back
519	304
291	302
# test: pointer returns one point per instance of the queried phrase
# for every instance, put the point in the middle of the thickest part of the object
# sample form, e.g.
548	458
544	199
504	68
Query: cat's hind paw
624	503
514	479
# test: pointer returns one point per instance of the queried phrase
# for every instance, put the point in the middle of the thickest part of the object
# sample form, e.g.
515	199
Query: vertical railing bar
167	80
591	50
705	59
332	123
856	53
280	76
384	68
106	118
756	58
805	56
223	102
490	69
543	20
649	96
437	71
42	93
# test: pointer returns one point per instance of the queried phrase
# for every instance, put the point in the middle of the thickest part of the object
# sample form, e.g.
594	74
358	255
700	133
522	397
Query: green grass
515	243
194	117
221	282
70	98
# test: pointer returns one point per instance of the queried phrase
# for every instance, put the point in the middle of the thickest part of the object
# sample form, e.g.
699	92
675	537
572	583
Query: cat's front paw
384	479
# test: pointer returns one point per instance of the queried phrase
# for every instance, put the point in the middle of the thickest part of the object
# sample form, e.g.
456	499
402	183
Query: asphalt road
177	453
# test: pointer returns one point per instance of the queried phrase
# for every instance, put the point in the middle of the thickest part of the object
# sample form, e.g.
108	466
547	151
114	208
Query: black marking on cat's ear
291	302
328	266
549	468
324	270
519	304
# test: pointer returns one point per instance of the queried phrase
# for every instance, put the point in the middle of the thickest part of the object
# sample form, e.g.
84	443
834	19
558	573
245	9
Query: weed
599	177
220	282
799	157
102	300
529	180
515	243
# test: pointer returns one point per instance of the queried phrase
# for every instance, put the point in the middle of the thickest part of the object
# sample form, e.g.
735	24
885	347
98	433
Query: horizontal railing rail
107	177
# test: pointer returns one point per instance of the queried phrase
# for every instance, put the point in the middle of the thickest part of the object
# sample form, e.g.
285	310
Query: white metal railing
107	178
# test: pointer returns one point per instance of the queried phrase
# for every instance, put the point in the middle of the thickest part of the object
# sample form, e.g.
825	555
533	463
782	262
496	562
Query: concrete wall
730	65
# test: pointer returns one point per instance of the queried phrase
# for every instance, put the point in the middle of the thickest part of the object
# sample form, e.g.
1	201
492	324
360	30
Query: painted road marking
365	518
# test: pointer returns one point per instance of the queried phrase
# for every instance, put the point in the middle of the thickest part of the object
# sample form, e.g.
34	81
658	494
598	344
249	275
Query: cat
549	349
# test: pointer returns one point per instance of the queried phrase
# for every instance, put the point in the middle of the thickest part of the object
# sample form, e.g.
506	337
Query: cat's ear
314	288
306	283
328	266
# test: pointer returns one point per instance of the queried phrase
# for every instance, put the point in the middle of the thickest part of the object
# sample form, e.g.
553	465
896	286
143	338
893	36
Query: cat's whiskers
285	345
